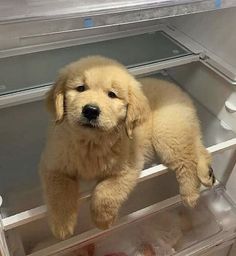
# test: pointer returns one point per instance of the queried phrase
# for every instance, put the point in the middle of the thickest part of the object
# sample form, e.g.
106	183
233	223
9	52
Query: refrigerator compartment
39	69
34	27
167	226
23	134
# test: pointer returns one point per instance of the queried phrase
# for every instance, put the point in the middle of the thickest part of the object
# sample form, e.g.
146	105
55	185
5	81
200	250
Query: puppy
107	125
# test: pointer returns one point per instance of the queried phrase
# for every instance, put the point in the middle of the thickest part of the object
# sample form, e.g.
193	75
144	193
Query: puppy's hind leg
204	169
176	147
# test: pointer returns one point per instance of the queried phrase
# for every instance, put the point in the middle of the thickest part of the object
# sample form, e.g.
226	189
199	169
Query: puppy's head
99	94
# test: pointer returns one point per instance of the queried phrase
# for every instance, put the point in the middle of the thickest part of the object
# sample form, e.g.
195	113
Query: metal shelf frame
108	12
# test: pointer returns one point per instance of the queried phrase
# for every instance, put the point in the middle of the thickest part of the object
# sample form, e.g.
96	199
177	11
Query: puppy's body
131	126
176	137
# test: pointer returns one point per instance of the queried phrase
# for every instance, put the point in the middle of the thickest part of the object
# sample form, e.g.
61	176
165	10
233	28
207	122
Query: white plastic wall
215	31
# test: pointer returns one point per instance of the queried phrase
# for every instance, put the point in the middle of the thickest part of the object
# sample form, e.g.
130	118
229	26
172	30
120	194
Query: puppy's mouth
89	125
92	124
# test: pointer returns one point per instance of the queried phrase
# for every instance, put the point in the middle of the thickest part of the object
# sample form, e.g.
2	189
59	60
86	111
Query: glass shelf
33	70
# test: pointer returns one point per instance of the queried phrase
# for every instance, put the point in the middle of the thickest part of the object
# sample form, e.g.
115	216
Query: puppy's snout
91	111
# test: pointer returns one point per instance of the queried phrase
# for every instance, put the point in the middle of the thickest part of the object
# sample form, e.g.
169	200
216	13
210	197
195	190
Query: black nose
91	112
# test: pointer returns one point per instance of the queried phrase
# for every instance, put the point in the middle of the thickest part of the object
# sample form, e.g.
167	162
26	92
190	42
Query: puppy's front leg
61	194
109	195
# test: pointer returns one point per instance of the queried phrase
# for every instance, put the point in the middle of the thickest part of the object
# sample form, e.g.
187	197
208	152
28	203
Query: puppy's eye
80	88
112	94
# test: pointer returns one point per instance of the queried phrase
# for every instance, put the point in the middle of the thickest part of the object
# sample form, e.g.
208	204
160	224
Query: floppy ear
55	99
137	109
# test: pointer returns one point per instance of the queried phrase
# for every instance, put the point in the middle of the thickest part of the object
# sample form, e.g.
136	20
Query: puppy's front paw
103	212
63	228
190	200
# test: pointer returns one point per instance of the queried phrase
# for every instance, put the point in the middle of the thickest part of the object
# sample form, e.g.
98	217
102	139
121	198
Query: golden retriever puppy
107	125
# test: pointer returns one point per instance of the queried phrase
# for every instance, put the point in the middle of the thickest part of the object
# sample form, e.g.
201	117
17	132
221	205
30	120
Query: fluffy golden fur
141	119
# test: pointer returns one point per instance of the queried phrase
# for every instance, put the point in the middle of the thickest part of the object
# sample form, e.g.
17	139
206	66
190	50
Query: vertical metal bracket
3	243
